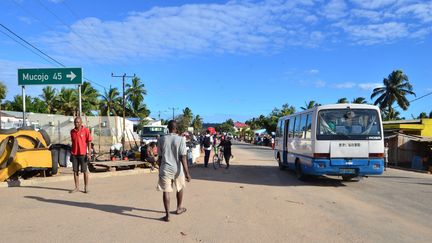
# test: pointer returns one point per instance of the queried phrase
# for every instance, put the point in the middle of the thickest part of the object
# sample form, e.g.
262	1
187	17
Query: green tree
67	102
89	98
184	120
3	92
430	114
396	87
342	101
359	100
390	115
110	103
197	124
17	105
38	105
309	105
135	93
49	96
227	126
422	115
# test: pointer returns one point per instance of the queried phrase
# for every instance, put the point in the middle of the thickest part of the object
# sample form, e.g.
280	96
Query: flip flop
181	210
165	218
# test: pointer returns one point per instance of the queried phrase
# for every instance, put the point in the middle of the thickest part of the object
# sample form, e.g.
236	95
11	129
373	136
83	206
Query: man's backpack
207	142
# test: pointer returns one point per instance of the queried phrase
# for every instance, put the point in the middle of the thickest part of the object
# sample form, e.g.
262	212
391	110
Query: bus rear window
347	124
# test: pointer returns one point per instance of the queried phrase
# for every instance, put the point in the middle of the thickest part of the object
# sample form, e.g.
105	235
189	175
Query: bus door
285	142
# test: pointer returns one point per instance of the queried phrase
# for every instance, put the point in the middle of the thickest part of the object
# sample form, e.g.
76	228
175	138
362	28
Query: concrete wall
105	130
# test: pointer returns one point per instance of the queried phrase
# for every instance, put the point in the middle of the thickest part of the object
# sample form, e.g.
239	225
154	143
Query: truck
150	133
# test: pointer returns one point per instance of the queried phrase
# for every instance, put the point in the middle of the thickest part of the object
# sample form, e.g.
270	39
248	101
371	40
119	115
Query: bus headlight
376	166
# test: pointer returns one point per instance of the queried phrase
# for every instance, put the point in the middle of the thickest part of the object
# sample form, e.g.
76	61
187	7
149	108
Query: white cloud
422	11
346	85
376	33
26	20
371	15
335	9
239	27
374	4
314	71
369	86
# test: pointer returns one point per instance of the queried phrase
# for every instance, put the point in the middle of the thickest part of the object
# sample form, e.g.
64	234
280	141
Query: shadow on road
46	188
121	210
260	175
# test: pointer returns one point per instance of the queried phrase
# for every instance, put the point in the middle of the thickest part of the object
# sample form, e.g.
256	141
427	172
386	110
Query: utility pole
124	108
173	108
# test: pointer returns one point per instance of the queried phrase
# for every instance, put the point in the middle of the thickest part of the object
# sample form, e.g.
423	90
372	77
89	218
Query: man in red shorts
81	140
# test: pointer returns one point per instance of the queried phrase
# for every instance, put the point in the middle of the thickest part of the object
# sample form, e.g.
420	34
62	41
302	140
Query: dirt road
253	201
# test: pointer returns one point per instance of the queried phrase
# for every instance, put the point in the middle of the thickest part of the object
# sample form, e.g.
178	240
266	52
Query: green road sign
49	76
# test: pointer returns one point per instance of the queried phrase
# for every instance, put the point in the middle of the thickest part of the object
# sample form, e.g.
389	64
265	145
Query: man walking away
207	144
173	168
81	146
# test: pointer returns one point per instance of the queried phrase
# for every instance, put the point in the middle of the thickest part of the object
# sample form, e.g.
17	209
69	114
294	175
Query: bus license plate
347	171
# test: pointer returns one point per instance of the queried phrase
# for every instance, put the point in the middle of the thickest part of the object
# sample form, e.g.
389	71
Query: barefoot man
80	153
173	168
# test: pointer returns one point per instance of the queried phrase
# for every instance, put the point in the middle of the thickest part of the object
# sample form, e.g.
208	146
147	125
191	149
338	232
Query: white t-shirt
211	142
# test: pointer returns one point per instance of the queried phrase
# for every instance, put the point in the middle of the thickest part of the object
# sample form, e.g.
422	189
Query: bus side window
298	132
291	128
308	126
282	128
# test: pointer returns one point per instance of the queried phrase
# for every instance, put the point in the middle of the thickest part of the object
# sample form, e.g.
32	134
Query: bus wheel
281	166
298	171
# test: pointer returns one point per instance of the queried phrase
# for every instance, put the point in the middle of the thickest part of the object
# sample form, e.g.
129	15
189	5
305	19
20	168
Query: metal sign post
80	102
24	106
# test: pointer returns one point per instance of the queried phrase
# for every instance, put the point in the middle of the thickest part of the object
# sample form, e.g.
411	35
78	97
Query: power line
28	48
40	51
72	31
421	97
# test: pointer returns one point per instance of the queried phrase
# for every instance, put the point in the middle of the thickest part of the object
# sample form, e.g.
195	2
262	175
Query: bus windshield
348	124
153	131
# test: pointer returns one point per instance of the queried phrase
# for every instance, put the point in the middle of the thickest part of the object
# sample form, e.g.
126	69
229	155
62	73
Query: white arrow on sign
71	76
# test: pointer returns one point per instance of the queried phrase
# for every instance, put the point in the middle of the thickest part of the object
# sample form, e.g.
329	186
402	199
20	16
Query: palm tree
185	119
38	105
396	87
17	105
309	105
111	102
342	100
67	102
135	92
390	115
422	115
197	123
49	96
89	98
3	92
359	100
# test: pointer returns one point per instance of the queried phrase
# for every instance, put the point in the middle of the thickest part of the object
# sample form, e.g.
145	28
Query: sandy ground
253	201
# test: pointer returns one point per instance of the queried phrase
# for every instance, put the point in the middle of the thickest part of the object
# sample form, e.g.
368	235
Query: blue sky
227	59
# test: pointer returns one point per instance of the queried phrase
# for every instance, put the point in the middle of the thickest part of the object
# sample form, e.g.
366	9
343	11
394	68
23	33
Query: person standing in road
207	144
226	144
81	145
173	168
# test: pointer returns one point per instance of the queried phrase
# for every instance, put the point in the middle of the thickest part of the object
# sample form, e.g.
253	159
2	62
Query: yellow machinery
25	152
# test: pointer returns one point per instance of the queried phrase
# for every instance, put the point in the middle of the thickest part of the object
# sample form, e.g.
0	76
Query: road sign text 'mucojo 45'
49	76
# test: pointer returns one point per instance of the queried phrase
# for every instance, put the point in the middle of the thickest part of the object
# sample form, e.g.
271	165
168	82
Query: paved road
251	202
